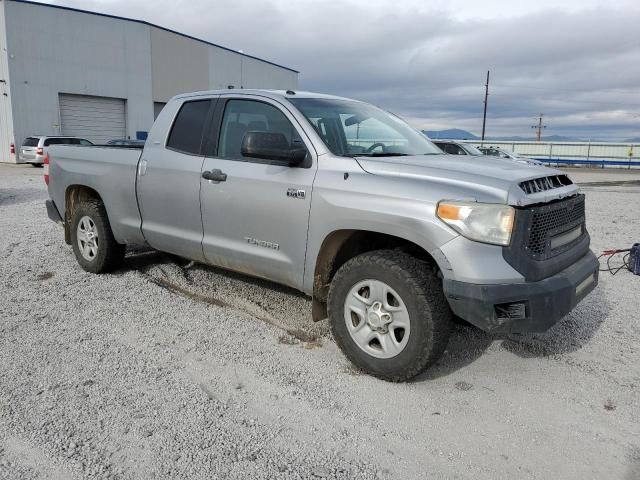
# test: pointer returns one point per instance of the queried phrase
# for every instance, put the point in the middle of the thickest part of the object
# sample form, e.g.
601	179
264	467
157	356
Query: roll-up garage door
98	119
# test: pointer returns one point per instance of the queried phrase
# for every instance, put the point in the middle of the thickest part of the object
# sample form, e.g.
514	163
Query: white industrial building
65	71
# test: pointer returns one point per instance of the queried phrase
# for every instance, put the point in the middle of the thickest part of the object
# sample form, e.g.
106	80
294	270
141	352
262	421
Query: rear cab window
187	131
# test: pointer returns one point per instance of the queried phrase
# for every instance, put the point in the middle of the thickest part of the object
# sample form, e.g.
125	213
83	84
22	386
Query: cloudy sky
577	61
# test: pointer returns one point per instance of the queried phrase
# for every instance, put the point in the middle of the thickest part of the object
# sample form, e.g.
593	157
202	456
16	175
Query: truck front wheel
388	314
93	244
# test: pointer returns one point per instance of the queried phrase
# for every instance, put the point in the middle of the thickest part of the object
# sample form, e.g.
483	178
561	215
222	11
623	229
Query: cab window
187	129
242	116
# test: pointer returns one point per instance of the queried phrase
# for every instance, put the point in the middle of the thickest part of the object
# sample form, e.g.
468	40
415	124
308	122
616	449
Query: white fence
573	153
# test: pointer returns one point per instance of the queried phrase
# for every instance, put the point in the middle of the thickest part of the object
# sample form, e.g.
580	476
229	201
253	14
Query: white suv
34	148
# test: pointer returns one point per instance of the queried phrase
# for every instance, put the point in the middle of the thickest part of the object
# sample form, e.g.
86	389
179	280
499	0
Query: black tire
421	291
110	253
37	165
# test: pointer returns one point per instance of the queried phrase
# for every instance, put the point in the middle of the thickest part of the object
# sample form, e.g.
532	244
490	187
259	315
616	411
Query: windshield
471	150
350	129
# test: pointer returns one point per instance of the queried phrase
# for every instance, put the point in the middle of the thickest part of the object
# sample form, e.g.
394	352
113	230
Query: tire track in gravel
179	281
9	250
16	453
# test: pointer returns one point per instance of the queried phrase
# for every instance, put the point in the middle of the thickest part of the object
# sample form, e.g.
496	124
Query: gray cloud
580	67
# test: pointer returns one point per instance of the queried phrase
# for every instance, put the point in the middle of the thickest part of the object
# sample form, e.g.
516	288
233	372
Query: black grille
545	183
548	238
549	221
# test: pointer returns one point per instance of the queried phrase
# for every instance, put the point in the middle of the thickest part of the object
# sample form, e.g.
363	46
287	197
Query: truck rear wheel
93	244
388	314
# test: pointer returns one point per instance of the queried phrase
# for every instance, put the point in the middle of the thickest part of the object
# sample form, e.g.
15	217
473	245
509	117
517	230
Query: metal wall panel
6	112
98	119
97	55
178	65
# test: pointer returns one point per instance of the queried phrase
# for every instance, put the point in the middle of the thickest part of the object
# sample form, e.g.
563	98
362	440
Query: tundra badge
295	193
262	243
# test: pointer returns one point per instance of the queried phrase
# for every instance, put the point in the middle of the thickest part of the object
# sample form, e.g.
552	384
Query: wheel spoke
400	319
378	291
363	335
361	314
389	344
361	301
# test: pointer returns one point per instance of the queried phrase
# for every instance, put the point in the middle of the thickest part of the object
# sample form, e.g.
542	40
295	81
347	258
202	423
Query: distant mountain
632	140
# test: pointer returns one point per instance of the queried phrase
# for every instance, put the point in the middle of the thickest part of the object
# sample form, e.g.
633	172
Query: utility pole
539	127
486	98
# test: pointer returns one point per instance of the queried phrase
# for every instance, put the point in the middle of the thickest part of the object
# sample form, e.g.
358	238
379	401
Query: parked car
345	202
126	142
498	152
457	148
34	148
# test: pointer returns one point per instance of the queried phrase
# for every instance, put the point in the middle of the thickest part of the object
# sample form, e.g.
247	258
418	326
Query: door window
55	141
186	133
242	116
454	149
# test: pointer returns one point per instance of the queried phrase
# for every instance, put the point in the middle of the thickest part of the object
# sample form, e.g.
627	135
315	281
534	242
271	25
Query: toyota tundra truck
345	202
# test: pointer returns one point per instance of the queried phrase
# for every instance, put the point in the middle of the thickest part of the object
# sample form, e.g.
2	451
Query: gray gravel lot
158	371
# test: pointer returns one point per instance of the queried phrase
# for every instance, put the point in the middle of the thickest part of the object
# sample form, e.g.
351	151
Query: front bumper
523	307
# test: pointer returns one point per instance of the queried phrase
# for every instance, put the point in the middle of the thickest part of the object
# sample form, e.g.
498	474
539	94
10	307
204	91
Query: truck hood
485	179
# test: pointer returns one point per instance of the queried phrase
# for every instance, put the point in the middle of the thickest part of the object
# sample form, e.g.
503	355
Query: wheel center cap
377	318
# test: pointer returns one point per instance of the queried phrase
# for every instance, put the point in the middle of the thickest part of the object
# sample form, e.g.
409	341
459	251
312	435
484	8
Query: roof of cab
274	94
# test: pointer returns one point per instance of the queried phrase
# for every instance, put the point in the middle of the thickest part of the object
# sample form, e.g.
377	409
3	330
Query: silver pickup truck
345	202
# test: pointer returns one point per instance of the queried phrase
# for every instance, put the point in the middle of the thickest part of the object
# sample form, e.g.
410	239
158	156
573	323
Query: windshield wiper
383	154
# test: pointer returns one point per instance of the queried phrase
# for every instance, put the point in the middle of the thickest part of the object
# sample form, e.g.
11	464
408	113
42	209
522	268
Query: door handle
143	167
216	175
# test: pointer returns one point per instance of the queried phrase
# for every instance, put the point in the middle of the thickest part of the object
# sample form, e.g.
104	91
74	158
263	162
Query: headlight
482	222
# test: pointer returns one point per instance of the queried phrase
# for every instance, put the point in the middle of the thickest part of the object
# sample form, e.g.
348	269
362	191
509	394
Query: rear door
169	182
256	220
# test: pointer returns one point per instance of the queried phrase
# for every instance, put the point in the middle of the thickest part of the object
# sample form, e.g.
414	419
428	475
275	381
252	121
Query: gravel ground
158	371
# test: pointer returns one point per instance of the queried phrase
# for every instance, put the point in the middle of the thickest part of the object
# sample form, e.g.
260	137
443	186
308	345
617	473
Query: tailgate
28	153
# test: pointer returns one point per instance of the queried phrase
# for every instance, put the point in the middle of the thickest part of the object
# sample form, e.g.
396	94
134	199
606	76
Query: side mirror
271	146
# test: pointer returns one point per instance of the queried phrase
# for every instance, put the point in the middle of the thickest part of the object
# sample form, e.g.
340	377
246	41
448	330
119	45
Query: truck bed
111	171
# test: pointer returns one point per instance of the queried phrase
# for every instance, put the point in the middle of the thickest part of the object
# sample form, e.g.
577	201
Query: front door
255	213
